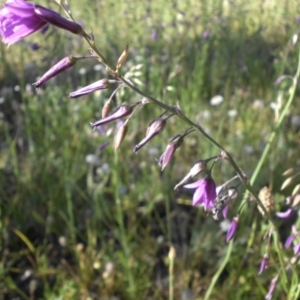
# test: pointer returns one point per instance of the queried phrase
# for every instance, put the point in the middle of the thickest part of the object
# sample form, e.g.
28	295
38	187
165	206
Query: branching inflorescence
19	18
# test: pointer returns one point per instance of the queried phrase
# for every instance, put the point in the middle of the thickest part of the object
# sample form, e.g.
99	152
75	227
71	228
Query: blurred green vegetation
64	234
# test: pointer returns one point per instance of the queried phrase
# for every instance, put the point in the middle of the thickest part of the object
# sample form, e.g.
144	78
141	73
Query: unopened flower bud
197	168
98	85
119	137
296	190
272	288
62	65
173	145
122	58
154	128
289	171
107	108
56	19
121	112
287	182
264	264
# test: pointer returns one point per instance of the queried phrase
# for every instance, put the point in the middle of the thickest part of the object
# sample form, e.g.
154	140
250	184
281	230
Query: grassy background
78	221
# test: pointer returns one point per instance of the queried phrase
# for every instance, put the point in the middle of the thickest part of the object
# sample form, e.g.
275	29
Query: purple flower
62	65
285	214
264	264
173	145
168	154
297	249
98	85
272	288
205	193
154	128
289	241
233	227
121	112
20	18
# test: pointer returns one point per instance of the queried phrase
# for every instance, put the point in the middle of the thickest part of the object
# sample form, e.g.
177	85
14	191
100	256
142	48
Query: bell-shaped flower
20	18
205	193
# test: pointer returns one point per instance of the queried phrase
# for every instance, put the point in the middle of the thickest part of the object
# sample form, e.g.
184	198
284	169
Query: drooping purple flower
205	193
98	85
175	142
272	288
264	264
285	214
20	18
233	227
167	155
121	112
62	65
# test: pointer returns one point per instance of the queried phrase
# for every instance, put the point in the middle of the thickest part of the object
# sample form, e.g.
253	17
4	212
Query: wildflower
173	145
233	227
98	85
205	193
62	65
154	128
264	264
19	18
272	288
121	112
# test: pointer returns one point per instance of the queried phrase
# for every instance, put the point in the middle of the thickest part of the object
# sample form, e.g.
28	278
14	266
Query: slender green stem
120	220
220	270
